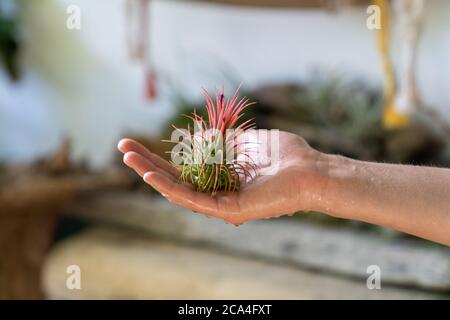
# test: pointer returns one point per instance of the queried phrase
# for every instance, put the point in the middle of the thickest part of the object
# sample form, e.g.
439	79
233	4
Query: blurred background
369	82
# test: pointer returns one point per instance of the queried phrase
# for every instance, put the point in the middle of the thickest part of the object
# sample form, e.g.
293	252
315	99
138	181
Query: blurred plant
353	111
212	158
9	40
350	108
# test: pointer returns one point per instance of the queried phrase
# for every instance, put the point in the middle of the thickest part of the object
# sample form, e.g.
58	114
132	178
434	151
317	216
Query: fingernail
120	144
147	177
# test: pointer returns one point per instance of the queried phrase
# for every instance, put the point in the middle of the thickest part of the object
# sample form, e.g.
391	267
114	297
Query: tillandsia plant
213	155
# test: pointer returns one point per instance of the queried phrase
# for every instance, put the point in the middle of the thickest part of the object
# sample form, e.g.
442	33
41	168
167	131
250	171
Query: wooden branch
37	192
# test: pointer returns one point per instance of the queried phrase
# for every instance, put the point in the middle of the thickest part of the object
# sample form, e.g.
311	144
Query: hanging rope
410	16
138	40
391	117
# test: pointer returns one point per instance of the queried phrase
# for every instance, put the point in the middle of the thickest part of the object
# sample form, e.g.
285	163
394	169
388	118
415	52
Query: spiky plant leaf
210	150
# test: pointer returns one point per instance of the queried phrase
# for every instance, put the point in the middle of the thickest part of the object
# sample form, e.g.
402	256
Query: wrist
340	185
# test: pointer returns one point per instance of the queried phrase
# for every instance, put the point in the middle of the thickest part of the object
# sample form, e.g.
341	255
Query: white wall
82	84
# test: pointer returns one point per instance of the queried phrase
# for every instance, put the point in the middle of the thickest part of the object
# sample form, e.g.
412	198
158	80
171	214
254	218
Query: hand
297	184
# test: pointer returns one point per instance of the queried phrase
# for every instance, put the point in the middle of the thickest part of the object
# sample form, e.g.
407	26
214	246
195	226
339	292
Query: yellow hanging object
392	119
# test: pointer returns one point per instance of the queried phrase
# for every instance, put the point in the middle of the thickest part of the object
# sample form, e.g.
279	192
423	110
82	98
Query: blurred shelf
328	248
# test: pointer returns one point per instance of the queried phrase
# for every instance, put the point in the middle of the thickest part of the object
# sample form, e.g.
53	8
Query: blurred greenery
351	107
9	42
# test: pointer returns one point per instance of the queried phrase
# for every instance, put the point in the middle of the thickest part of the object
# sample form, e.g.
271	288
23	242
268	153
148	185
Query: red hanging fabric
138	14
150	84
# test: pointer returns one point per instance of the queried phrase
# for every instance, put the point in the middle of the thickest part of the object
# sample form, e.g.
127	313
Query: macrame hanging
138	41
410	16
402	103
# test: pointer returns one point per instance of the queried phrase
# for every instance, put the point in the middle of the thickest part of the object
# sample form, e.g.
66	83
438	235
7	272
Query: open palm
289	182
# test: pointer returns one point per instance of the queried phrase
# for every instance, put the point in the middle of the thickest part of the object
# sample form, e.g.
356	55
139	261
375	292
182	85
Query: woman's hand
294	180
411	199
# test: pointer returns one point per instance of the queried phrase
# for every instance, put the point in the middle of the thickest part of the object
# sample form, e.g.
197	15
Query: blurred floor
117	264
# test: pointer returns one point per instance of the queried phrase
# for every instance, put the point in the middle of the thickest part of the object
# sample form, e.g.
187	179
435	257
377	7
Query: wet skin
408	198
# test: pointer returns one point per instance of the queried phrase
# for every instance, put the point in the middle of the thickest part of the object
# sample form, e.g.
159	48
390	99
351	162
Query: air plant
212	155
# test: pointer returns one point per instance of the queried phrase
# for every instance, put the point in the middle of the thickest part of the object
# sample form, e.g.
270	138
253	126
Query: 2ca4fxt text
230	309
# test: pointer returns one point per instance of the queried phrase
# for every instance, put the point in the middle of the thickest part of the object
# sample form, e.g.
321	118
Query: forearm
411	199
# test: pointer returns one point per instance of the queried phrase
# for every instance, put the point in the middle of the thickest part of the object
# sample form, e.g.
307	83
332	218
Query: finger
127	145
142	165
184	196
